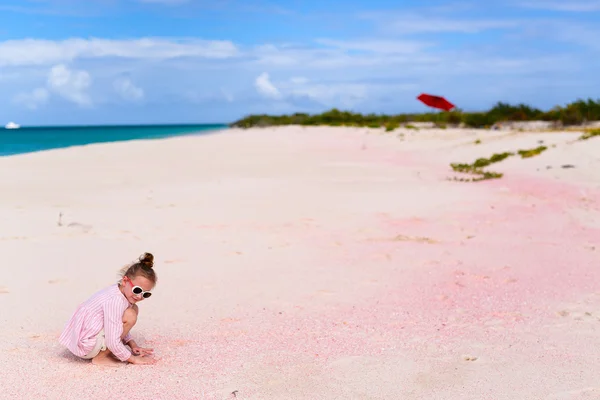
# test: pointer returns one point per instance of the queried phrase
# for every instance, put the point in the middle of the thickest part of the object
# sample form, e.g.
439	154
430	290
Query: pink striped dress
103	310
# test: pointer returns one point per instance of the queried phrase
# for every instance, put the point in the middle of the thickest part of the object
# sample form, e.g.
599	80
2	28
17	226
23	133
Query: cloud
330	54
376	46
298	80
301	89
567	6
227	95
265	87
165	2
438	25
69	11
127	90
411	23
71	85
339	92
578	35
331	94
33	99
28	52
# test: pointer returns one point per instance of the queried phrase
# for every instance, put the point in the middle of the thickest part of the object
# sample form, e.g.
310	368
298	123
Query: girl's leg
106	358
129	319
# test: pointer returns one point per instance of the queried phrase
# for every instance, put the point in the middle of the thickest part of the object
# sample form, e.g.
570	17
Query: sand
310	263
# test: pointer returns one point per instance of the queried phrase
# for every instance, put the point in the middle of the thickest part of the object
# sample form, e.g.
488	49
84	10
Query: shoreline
423	129
312	263
87	130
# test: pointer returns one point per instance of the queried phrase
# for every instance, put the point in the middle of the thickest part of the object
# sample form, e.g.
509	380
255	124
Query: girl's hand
141	351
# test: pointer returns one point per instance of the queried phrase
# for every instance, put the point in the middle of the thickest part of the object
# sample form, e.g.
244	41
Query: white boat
12	125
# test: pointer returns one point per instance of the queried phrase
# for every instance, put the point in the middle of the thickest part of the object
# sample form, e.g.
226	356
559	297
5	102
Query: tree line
575	113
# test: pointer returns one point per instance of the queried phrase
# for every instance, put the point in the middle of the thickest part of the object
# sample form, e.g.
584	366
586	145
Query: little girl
100	328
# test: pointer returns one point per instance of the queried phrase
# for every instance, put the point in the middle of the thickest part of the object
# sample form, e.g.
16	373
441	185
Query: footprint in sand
579	315
403	238
584	310
81	227
14	238
418	239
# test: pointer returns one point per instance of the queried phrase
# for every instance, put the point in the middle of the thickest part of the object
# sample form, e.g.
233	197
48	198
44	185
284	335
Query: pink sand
310	263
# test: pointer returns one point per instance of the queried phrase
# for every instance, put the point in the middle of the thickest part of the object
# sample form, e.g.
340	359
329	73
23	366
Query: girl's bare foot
106	358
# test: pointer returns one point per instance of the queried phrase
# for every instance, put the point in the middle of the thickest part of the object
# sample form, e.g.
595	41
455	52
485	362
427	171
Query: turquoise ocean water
31	139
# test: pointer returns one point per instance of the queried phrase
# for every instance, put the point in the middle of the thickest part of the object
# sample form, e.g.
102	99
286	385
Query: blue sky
170	61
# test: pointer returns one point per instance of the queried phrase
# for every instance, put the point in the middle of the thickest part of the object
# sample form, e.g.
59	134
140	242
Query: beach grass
477	167
590	134
532	152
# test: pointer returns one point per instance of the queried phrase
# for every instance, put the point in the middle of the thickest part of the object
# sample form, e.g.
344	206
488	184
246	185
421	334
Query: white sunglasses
137	290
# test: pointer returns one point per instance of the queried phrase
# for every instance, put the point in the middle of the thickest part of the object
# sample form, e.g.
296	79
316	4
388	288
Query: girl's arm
127	339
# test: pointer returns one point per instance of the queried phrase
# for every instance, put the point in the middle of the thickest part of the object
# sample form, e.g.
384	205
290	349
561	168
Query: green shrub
590	134
570	114
477	167
532	152
391	126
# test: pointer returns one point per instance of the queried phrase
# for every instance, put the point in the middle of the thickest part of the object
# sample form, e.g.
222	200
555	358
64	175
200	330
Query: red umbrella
436	102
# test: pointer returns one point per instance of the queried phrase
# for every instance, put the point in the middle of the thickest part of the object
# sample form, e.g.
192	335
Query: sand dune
311	263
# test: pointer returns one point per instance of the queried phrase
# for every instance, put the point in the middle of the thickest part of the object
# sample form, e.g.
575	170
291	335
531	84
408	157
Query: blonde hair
143	266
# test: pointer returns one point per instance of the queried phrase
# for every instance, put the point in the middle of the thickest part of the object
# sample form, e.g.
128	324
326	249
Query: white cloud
33	99
342	54
298	88
127	90
47	52
410	23
330	94
298	80
274	56
376	46
578	35
438	25
227	95
265	87
166	2
568	6
71	85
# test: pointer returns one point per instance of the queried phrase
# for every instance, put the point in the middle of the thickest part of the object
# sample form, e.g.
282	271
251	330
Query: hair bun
147	259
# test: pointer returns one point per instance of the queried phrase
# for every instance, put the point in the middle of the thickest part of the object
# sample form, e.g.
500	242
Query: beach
311	263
